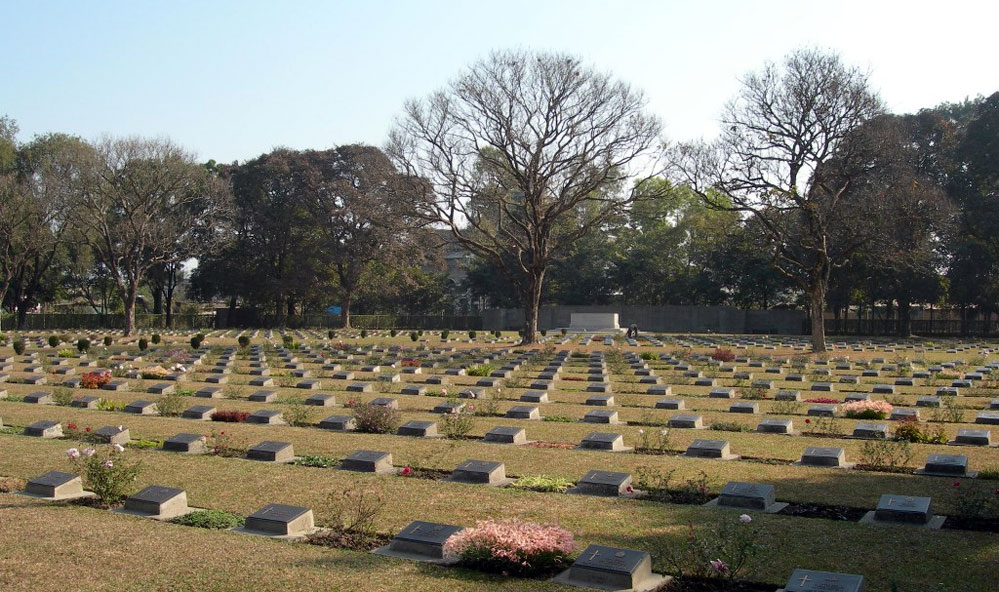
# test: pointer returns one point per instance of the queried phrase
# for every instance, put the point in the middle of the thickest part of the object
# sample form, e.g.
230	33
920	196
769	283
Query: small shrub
472	334
321	462
456	424
976	501
53	340
480	370
230	416
352	510
298	414
753	393
730	426
785	408
195	342
821	425
445	333
558	419
109	405
108	341
244	341
375	419
143	344
543	483
544	332
105	472
18	346
213	519
364	333
659	486
413	335
82	345
512	547
65	353
885	455
95	380
726	550
497	334
948	412
62	396
867	409
723	355
171	405
225	444
909	430
156	338
564	332
654	441
648	356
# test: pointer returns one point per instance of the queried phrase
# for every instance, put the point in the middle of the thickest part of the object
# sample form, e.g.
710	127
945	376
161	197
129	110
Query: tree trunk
22	314
904	319
3	293
169	309
816	309
532	301
133	290
157	300
348	298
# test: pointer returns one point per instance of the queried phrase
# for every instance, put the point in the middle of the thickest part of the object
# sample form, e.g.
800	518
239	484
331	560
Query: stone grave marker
748	496
266	417
481	472
821	456
611	568
113	435
807	580
201	412
973	437
368	461
271	451
86	402
870	431
603	483
420	541
141	408
187	443
710	449
281	520
158	502
772	425
419	429
523	412
56	485
321	400
506	435
339	423
606	441
44	429
901	509
947	465
687	421
384	402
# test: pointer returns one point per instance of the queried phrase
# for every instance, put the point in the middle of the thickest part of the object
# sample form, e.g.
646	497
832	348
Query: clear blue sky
231	80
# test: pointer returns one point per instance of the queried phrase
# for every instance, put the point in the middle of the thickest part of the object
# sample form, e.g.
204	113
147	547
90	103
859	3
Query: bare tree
774	158
146	203
523	154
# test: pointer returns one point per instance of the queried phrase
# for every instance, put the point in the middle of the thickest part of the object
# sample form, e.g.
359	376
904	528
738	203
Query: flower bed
867	409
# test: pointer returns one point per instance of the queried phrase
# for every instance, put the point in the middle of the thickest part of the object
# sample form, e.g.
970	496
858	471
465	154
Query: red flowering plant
976	501
512	547
95	380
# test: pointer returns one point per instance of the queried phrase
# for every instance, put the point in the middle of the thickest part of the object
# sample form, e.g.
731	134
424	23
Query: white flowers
108	464
641	431
73	453
88	452
118	447
745	518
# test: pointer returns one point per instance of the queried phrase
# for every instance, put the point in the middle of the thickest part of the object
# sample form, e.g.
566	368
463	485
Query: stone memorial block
947	465
263	396
339	423
751	496
39	398
687	421
188	443
611	568
534	397
56	485
360	387
506	435
904	509
710	449
161	388
972	437
368	461
481	471
418	429
210	392
523	412
928	401
948	391
202	412
821	456
704	382
487	382
771	425
261	381
824	387
44	429
807	580
308	385
414	389
598	387
821	410
751	407
281	520
384	402
675	404
270	451
722	393
320	400
260	371
905	382
113	435
601	401
266	417
217	379
421	541
608	416
603	441
343	375
603	483
448	407
902	414
987	418
870	431
86	402
660	390
788	396
795	378
115	385
141	408
158	502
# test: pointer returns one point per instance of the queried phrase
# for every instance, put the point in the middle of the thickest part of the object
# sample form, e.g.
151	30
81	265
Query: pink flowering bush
106	472
867	409
512	547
